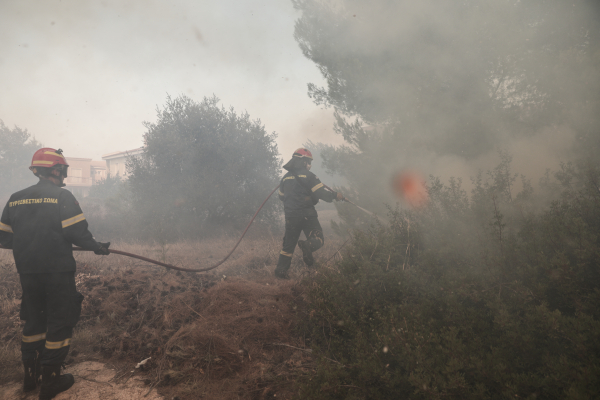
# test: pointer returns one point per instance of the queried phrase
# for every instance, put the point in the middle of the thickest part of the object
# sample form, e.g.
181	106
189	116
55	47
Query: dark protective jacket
299	198
40	224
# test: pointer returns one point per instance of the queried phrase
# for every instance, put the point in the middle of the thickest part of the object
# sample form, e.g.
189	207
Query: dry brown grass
226	334
10	325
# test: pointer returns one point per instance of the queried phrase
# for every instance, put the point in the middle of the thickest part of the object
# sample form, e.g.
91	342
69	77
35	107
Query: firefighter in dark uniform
300	190
40	224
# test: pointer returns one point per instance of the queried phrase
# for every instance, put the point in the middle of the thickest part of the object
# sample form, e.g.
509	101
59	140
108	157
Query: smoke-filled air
300	199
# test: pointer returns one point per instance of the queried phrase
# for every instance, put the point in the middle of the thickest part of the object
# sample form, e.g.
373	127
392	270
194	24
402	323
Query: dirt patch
93	381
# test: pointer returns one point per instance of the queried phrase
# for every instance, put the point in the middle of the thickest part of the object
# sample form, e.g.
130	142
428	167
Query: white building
116	162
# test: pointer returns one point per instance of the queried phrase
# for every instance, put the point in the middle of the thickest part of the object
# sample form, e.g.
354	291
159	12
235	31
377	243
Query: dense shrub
486	298
203	168
204	171
109	210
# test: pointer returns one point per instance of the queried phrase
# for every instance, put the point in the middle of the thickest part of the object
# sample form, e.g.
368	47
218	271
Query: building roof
126	153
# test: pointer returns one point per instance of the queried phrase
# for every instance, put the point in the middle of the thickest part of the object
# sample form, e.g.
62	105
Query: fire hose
170	266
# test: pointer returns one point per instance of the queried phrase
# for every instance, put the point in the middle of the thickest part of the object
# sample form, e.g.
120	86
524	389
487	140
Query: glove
339	196
103	250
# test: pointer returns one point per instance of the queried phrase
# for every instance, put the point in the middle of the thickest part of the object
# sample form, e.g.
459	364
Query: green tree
16	149
109	209
204	168
107	188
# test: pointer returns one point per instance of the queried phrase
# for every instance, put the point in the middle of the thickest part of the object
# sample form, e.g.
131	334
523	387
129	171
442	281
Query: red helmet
48	158
48	161
303	153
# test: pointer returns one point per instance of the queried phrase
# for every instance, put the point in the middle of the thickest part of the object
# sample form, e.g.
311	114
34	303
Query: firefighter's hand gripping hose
169	266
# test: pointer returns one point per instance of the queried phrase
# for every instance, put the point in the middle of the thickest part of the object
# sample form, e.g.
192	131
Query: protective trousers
294	226
51	307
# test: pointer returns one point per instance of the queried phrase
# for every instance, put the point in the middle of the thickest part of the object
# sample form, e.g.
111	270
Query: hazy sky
83	75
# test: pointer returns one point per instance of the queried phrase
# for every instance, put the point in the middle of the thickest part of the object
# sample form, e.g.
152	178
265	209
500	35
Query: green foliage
474	297
16	149
106	188
203	168
109	210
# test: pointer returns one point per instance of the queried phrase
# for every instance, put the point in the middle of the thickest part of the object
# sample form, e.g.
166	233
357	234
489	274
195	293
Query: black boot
53	382
33	372
283	265
307	255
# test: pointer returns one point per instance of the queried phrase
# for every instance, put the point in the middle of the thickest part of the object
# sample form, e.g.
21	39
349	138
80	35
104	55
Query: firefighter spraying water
300	190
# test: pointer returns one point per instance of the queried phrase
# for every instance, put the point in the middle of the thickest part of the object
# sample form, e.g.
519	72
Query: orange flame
411	187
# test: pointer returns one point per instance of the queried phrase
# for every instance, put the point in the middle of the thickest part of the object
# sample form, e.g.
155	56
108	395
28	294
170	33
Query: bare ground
228	334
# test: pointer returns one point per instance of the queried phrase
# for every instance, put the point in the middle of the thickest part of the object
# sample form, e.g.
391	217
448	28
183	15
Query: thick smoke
442	87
